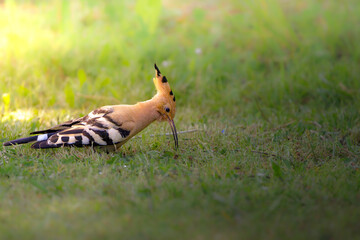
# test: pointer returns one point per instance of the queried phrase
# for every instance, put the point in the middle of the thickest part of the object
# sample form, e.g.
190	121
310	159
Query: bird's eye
167	109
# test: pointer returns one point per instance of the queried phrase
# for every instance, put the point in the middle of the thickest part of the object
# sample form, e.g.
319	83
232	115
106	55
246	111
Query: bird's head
166	105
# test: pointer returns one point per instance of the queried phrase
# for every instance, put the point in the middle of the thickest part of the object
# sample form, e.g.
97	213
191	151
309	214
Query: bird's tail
37	138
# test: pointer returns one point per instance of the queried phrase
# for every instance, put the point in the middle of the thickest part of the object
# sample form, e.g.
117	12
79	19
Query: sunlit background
227	57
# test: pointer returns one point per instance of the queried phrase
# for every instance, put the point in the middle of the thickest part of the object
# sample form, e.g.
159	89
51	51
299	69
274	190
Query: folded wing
95	129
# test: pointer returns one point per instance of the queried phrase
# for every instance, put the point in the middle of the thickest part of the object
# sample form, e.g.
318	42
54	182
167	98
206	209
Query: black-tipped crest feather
158	73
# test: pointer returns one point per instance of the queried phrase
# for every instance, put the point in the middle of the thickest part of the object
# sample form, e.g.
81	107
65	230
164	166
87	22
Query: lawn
268	99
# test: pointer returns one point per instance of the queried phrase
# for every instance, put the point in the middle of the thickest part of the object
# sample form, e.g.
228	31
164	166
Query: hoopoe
112	125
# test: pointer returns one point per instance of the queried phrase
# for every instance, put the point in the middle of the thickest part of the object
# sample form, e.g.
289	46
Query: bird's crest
163	88
167	103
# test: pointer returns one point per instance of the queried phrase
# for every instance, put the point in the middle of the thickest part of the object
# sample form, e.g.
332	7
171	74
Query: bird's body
109	126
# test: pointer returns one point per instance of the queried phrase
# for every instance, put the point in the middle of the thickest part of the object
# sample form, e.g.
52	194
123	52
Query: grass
272	88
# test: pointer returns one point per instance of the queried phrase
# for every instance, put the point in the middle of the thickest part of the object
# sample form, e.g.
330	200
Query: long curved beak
173	129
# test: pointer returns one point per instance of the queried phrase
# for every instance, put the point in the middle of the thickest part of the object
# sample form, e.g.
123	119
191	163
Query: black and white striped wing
95	129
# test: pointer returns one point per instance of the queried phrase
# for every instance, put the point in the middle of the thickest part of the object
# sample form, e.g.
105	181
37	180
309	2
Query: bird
110	126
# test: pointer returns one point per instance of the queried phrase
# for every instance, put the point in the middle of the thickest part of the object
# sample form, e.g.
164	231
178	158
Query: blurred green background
227	57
